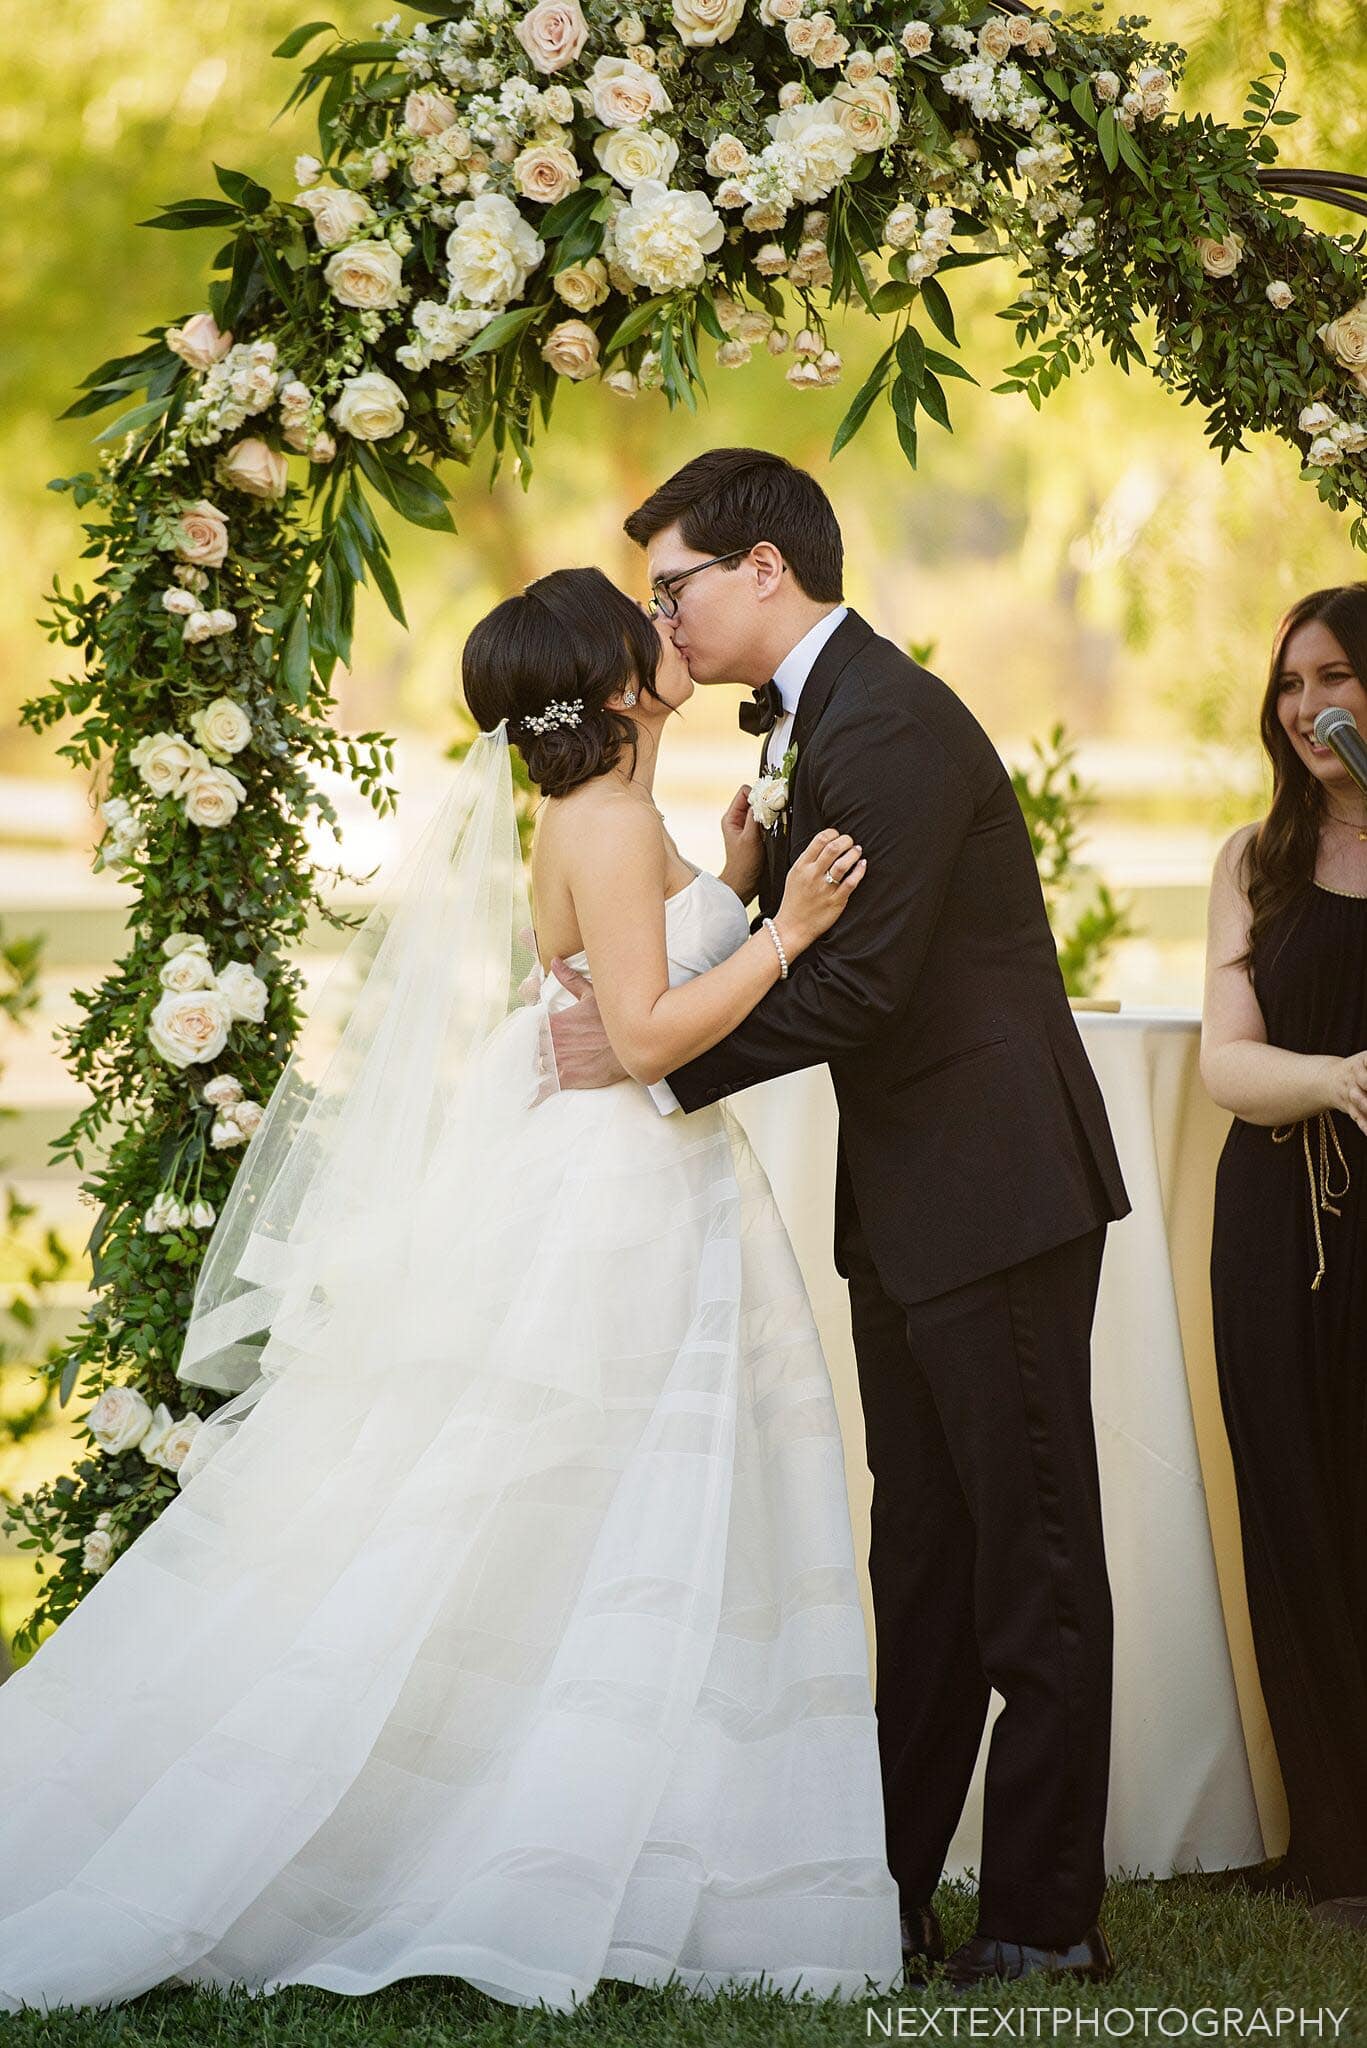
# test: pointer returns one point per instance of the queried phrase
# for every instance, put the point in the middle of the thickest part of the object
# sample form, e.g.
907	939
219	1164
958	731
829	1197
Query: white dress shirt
790	675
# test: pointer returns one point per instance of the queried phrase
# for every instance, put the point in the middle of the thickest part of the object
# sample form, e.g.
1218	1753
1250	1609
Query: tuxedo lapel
845	642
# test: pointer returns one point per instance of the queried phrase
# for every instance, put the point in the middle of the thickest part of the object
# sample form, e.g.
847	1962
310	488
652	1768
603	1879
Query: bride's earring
628	696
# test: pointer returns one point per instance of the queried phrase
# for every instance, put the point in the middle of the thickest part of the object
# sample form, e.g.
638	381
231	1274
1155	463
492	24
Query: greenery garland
508	196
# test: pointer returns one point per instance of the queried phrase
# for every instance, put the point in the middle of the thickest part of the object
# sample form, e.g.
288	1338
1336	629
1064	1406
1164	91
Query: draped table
1194	1780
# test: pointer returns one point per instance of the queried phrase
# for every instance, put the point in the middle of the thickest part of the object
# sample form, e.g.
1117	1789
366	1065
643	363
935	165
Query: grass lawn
1183	1948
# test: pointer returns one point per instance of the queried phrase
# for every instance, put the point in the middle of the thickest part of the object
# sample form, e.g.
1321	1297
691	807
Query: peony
119	1419
825	151
428	113
546	172
211	796
1219	259
255	468
700	22
190	1025
727	157
629	155
366	274
337	213
571	349
190	969
553	34
869	114
245	991
222	727
369	407
663	236
202	535
490	252
199	342
624	94
1346	337
582	286
163	760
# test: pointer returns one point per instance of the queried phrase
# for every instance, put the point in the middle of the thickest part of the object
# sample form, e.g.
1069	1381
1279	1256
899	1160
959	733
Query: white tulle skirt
537	1661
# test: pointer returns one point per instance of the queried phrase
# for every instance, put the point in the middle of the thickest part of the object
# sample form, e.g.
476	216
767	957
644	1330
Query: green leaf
294	658
250	196
890	298
863	399
911	355
636	323
409	487
1106	129
194	213
946	366
1082	104
503	327
936	301
299	38
1133	155
934	402
129	422
906	434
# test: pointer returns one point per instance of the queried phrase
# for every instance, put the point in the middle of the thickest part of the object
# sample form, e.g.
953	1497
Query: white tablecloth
1190	1738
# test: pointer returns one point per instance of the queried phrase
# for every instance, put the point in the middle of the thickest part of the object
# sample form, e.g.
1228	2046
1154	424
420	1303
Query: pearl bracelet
772	930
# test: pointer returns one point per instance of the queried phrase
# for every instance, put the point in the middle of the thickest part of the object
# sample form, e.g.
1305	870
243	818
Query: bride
506	1625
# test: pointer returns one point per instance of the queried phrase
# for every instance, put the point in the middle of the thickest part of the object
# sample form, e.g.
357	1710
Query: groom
975	1177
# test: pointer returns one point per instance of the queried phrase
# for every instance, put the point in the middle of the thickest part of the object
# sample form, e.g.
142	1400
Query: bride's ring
831	875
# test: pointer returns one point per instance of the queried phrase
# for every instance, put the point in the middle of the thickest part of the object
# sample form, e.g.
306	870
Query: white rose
172	1442
901	227
225	1131
1317	419
801	37
366	274
1280	294
428	113
546	172
190	969
119	1419
244	990
1346	337
1040	40
203	1215
248	1115
727	157
771	259
729	193
190	1026
202	535
829	52
582	286
491	251
163	760
369	407
571	349
179	600
337	213
662	237
885	61
202	625
158	1428
792	94
211	797
630	154
1219	259
861	67
255	468
184	942
1324	452
733	354
97	1553
1106	86
869	114
630	30
199	342
222	1090
222	727
1350	436
994	40
700	22
624	94
769	793
623	382
553	34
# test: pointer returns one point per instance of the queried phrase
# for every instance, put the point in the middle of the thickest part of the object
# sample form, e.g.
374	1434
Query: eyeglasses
664	603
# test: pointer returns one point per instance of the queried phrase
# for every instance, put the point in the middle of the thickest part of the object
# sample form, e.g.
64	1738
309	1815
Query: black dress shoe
923	1942
983	1957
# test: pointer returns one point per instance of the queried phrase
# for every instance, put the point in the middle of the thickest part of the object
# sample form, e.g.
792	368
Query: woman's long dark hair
1280	857
570	634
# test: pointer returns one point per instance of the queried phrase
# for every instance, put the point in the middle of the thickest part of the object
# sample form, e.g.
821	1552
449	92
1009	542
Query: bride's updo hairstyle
572	634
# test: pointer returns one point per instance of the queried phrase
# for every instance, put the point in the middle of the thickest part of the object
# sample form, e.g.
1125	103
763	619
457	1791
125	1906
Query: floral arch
507	196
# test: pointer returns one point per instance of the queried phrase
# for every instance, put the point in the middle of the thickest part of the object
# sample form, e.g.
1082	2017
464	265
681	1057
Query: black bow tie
766	710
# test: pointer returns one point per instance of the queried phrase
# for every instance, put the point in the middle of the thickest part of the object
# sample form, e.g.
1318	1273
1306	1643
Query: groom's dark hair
730	498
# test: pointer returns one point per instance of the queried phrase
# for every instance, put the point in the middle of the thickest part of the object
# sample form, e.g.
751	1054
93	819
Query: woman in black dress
1283	1037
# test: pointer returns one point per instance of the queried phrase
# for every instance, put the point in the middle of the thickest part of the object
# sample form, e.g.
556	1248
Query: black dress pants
988	1569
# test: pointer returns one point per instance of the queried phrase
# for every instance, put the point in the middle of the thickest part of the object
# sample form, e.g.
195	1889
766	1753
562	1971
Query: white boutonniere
769	795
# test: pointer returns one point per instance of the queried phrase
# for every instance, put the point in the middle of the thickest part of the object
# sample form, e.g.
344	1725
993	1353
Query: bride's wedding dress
538	1663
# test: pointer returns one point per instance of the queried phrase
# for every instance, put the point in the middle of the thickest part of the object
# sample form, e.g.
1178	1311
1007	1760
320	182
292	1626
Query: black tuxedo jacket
972	1131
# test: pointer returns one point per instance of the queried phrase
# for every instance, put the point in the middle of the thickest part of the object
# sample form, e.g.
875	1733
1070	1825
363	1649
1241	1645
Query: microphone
1335	728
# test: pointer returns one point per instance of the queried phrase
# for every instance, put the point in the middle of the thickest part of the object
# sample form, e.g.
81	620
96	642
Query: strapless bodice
705	922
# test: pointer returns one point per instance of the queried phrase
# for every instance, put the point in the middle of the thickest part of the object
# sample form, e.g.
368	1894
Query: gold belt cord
1325	1194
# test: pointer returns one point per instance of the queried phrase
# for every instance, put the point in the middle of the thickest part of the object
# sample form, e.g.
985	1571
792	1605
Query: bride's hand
743	838
811	904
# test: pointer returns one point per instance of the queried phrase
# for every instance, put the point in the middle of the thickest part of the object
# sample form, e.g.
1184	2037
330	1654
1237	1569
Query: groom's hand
583	1056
